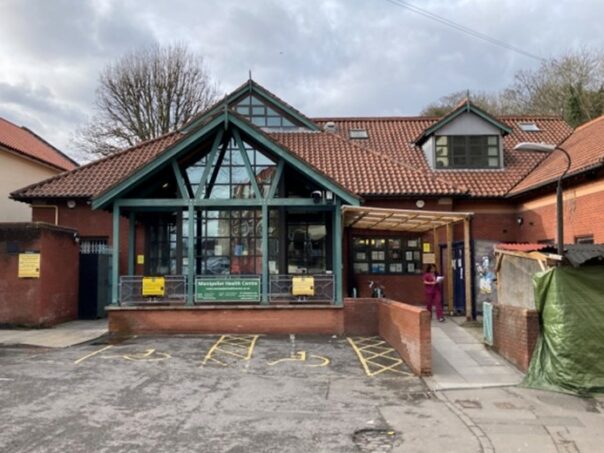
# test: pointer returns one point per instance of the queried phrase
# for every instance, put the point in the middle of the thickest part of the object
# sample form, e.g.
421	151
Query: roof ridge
537	165
50	145
91	164
377	118
589	123
397	162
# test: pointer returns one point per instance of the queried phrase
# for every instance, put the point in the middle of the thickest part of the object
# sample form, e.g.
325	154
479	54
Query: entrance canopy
370	218
416	221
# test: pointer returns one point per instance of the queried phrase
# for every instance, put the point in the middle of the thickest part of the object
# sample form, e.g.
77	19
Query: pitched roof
585	147
395	137
465	106
94	178
387	163
23	141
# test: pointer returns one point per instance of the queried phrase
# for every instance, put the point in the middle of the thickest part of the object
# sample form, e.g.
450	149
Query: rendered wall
17	172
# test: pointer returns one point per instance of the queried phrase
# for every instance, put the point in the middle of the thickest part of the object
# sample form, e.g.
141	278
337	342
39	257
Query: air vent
358	133
330	126
529	127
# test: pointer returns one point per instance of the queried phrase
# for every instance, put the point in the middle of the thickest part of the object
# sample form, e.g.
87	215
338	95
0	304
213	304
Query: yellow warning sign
154	286
29	265
303	286
140	259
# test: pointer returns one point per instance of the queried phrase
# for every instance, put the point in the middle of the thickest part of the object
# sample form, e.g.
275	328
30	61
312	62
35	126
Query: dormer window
467	152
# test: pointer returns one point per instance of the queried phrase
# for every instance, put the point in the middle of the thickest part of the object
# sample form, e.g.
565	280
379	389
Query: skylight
529	127
358	133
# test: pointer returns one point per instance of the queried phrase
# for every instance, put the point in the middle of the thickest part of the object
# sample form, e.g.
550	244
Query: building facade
253	200
25	159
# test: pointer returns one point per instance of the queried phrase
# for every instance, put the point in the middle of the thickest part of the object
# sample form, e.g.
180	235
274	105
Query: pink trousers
434	298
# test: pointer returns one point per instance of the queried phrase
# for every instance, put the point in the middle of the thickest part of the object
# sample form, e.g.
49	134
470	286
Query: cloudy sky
326	57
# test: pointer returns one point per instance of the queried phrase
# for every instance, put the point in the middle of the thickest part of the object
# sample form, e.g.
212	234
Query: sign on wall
29	265
227	290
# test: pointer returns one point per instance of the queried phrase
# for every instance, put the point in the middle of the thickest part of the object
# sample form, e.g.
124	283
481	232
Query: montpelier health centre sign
227	289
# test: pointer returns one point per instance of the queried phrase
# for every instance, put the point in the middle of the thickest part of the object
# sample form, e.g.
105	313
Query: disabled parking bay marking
377	356
301	356
92	354
240	347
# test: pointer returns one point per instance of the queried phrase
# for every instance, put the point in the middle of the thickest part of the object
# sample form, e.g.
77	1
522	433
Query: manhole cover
374	440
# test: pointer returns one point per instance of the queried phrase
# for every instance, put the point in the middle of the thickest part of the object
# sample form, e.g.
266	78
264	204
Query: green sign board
227	290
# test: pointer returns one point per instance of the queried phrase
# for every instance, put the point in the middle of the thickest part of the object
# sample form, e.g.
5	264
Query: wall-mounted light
519	220
165	186
71	204
420	203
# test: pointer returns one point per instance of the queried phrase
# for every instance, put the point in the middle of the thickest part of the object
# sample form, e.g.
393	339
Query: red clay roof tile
25	142
585	147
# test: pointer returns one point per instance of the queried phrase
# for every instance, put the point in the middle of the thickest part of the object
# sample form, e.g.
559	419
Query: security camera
316	195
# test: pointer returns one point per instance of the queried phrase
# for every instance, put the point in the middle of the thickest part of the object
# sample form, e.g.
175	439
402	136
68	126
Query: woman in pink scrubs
433	292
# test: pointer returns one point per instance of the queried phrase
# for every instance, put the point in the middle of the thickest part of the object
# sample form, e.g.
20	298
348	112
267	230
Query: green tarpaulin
569	356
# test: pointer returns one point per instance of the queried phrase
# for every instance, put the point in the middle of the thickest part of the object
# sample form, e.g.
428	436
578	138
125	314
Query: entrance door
458	267
459	287
94	288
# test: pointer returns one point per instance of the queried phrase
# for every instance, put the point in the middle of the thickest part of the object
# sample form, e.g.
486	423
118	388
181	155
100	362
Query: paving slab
460	360
60	336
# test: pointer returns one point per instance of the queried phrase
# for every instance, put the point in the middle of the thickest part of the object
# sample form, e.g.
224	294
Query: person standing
433	292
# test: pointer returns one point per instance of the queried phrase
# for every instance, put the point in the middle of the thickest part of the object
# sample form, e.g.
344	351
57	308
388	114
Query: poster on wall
29	265
484	268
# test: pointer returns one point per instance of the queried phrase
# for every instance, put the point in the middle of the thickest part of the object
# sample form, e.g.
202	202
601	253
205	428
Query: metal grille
281	289
131	291
94	247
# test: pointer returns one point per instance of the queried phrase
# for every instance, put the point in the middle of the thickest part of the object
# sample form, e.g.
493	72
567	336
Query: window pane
492	140
493	162
441	140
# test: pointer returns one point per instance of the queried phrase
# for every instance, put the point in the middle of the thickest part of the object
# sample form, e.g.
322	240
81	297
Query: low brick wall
405	327
218	320
515	333
53	297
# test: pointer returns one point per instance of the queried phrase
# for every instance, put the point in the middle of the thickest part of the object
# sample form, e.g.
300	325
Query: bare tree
486	101
145	94
570	86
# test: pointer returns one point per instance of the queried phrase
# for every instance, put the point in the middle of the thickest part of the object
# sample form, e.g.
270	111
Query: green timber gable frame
125	198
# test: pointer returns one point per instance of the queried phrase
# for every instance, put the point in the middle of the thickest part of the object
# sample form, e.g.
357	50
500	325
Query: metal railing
280	289
131	291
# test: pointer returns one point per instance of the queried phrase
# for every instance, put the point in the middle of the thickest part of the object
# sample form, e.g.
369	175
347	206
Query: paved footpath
60	336
481	389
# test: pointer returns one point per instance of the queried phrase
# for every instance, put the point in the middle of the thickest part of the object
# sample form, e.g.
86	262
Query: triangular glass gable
263	115
229	176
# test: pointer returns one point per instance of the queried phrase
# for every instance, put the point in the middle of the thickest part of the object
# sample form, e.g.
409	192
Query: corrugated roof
25	142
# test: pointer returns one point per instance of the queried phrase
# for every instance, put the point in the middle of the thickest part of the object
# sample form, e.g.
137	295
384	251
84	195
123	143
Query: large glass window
381	255
229	177
467	151
161	237
262	115
306	249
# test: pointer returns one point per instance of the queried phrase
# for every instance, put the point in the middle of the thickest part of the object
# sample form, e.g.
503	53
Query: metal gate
95	278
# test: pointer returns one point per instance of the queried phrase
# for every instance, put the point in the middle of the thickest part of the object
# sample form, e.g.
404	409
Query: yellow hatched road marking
241	347
362	346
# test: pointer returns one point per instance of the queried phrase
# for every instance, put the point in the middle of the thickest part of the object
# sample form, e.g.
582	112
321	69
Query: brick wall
218	320
43	301
406	328
515	333
582	214
97	224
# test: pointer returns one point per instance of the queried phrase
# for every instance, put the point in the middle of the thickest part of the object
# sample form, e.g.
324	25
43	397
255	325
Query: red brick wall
217	320
407	329
97	224
582	214
515	333
53	297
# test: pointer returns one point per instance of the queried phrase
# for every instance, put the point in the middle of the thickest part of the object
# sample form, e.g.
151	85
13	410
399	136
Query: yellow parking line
245	343
366	356
80	360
